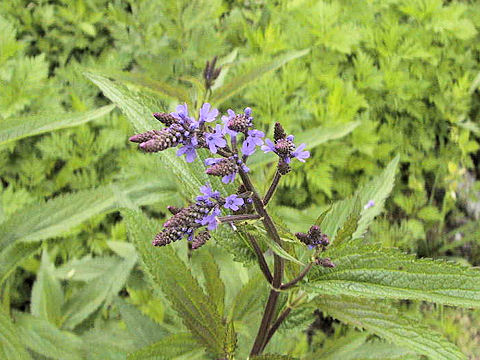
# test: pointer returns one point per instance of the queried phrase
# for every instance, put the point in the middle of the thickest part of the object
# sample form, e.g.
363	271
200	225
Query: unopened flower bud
223	167
325	262
164	118
200	239
283	167
140	138
278	132
174	210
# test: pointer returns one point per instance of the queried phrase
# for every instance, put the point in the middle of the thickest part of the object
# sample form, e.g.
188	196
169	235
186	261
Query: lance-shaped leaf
214	285
15	128
10	345
13	255
142	329
390	274
234	86
356	347
175	280
66	211
44	338
158	87
47	294
97	292
376	190
386	322
170	347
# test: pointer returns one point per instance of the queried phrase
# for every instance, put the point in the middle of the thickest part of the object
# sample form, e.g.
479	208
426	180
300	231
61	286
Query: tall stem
278	266
271	189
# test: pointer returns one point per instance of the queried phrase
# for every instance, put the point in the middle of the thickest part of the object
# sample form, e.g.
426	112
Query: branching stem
261	259
298	278
241	217
272	188
278	266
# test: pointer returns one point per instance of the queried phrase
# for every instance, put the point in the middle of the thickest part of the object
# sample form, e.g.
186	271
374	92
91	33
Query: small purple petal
229	178
269	146
233	202
369	204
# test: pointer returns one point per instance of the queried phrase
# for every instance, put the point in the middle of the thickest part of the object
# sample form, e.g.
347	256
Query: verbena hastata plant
329	266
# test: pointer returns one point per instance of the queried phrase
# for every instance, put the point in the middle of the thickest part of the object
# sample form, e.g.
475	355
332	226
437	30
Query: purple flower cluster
314	239
187	221
284	147
232	141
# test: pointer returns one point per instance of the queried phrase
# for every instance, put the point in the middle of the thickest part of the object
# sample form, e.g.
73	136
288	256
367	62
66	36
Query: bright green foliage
386	322
371	272
359	82
10	345
175	280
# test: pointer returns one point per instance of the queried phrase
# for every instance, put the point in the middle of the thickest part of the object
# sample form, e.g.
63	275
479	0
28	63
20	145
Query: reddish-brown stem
278	266
300	276
271	189
281	318
241	217
261	259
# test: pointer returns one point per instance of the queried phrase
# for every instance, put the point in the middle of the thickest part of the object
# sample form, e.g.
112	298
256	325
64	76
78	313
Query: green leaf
272	357
356	347
146	83
13	255
350	226
390	274
213	283
176	282
167	348
47	294
67	211
14	128
248	299
64	212
45	339
276	248
97	292
86	268
312	138
376	190
230	340
226	91
386	322
10	346
143	330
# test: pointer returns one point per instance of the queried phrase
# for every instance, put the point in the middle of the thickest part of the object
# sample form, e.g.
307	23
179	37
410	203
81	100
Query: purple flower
210	220
253	140
233	202
229	178
225	120
207	115
212	161
301	154
369	204
189	151
208	193
181	112
215	139
269	146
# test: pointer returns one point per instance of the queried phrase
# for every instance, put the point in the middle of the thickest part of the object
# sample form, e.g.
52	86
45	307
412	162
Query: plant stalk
278	266
261	259
272	188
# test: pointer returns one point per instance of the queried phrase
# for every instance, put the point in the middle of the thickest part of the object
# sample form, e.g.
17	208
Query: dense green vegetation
359	81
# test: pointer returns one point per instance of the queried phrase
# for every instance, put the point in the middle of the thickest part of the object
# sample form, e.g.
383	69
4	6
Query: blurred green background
402	75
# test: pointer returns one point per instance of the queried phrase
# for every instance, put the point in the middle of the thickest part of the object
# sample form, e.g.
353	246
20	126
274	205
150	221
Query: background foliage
380	78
